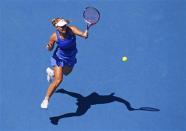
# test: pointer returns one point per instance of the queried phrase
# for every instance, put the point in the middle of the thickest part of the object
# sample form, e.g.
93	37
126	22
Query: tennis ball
124	58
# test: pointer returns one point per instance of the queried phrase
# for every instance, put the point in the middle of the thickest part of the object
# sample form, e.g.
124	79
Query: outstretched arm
129	107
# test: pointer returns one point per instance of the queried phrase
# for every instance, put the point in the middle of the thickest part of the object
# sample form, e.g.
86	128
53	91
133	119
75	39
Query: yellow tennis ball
124	58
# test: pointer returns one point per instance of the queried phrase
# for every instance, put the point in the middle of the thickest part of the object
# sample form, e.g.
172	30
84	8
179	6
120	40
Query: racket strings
91	15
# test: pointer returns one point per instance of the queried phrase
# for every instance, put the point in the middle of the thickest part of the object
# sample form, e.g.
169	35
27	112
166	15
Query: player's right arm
51	42
78	32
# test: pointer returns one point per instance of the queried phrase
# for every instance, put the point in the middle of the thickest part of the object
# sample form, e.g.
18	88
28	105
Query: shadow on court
84	104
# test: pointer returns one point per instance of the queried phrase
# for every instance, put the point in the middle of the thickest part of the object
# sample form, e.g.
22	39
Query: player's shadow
84	103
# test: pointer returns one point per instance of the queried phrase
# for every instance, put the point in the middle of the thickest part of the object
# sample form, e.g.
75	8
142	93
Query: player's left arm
78	32
51	42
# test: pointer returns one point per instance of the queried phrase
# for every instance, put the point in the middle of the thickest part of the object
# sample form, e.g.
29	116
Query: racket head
91	15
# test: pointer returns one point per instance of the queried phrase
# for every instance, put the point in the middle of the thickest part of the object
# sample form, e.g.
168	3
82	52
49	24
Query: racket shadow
148	109
84	103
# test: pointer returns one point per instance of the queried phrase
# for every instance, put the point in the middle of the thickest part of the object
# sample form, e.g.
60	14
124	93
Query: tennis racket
91	16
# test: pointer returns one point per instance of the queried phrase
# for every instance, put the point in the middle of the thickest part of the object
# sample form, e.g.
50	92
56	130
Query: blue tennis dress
65	52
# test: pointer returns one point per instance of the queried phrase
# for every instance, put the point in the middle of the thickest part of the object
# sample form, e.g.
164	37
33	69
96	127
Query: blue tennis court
151	33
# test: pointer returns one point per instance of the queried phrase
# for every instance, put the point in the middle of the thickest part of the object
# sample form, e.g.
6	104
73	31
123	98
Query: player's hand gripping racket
91	16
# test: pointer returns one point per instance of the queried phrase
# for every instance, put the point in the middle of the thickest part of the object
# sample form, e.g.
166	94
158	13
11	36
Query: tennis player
64	56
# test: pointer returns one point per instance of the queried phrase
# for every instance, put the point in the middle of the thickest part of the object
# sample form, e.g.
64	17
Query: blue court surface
151	33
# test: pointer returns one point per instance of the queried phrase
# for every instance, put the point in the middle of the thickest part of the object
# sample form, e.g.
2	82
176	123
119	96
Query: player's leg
58	77
50	72
81	110
67	70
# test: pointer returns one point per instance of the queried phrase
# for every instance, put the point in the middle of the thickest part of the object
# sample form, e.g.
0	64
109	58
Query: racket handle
86	31
87	28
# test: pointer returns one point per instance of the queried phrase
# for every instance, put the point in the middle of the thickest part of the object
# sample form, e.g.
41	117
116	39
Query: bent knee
66	73
67	70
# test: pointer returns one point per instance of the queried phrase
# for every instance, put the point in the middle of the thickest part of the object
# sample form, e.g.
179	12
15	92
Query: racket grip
86	31
87	27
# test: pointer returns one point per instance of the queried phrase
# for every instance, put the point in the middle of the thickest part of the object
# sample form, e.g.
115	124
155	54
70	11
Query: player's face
62	28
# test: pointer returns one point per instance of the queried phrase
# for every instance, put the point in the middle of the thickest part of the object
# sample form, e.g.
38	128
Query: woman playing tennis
64	56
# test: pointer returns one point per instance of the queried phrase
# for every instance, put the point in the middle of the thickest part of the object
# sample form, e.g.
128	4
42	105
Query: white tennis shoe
50	74
44	104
